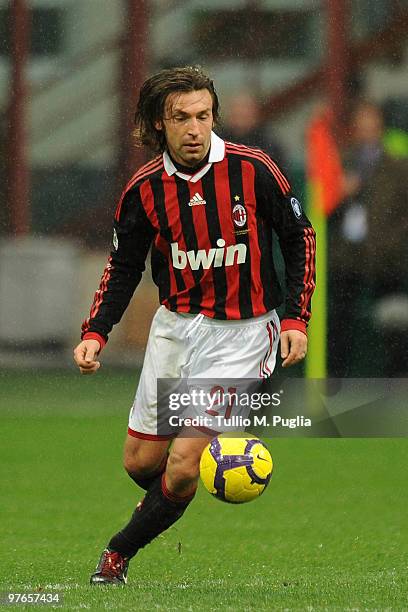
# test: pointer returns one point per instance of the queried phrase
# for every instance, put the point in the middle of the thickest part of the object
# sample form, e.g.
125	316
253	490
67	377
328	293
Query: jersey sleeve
132	237
297	241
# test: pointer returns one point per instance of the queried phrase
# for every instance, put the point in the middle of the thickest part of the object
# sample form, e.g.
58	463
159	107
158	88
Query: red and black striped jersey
211	238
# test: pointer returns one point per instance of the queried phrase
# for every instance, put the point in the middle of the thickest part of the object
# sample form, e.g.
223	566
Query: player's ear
158	124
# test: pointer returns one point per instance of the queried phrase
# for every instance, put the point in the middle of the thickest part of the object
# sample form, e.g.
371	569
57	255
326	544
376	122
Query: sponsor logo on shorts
221	256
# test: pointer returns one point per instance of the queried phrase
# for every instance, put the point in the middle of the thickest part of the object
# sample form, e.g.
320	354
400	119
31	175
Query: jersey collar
217	154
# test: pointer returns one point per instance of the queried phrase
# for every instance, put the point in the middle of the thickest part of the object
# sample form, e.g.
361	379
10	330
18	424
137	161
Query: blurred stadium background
70	72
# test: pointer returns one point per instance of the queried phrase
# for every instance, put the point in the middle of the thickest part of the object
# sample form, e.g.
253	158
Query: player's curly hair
152	98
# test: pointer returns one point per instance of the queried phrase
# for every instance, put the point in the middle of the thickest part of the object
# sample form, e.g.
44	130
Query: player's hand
85	354
293	347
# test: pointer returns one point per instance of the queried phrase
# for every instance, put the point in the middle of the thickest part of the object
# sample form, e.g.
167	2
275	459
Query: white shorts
184	346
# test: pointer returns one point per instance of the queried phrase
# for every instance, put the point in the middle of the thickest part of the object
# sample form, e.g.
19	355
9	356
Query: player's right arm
133	235
85	356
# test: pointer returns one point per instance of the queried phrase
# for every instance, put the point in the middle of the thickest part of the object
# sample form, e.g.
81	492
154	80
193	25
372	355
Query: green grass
330	533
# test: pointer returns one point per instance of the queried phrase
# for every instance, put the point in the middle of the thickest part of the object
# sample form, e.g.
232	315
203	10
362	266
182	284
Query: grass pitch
330	533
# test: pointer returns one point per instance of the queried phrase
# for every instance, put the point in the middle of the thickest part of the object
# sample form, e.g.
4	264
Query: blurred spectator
368	255
243	123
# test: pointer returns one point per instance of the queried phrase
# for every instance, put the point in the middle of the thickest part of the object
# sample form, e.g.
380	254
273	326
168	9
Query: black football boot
111	569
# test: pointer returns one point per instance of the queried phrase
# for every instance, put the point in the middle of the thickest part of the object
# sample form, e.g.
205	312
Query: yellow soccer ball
236	470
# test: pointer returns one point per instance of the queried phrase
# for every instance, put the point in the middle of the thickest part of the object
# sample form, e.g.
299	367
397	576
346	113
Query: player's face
187	123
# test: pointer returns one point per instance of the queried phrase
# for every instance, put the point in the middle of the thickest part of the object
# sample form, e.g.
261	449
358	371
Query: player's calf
182	473
166	500
144	460
183	466
145	478
158	510
154	514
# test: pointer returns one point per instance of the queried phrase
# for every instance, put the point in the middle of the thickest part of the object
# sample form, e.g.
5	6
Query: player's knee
182	467
138	465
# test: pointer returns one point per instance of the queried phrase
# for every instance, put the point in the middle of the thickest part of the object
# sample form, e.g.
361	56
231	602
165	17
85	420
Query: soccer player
206	208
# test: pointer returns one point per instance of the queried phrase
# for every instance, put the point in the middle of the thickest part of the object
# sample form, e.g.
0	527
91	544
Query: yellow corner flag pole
316	360
324	194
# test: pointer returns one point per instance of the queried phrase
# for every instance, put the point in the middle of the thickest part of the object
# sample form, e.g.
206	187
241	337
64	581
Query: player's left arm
293	347
297	240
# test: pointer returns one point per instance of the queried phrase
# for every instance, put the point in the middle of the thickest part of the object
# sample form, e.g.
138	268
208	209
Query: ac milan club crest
239	215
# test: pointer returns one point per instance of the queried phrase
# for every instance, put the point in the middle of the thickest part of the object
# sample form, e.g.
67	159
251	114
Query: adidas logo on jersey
196	200
235	253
